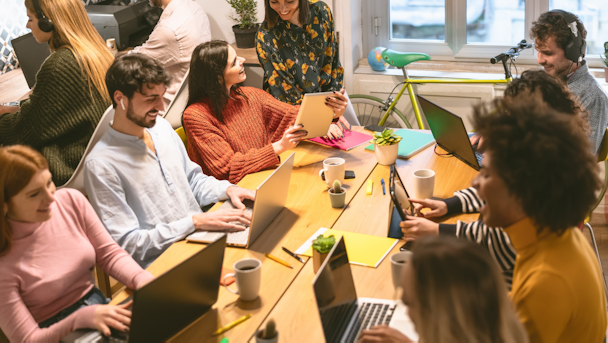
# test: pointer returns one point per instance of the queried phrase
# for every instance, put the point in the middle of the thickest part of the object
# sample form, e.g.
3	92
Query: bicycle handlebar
514	51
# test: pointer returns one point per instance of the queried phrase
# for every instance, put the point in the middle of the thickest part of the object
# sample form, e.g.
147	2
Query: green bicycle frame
410	90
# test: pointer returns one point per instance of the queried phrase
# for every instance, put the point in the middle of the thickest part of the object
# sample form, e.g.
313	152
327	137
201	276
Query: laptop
30	55
343	315
170	302
270	199
450	133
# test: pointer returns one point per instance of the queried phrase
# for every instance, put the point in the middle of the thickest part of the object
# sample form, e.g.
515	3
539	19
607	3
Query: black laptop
171	301
343	314
450	133
30	55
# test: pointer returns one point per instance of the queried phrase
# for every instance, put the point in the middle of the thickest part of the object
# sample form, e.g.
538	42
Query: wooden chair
103	282
602	157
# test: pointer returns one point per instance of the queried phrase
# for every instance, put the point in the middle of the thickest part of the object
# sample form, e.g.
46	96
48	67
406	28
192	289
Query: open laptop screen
449	131
335	292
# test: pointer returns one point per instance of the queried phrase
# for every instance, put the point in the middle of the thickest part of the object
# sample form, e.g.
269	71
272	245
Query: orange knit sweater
243	143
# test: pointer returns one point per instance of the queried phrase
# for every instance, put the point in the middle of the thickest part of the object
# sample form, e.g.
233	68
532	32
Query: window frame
455	47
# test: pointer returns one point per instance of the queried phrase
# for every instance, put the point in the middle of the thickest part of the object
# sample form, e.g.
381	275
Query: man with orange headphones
560	42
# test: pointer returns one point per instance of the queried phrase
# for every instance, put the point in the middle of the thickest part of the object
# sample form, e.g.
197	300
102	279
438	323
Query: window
472	29
594	15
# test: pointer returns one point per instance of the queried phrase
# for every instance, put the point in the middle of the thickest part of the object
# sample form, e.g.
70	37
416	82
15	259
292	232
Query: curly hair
551	24
544	159
553	92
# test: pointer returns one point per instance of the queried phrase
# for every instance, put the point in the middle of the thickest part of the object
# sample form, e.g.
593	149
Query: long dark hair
206	78
271	16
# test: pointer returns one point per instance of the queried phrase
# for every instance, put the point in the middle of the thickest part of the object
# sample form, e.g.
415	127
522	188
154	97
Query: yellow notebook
365	250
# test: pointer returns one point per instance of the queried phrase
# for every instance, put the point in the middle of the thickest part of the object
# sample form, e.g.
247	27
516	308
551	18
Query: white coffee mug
248	274
424	183
398	261
333	168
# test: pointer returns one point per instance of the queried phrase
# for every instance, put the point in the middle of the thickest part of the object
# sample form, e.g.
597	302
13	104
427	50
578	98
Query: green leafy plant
386	137
270	331
604	57
337	189
323	244
246	11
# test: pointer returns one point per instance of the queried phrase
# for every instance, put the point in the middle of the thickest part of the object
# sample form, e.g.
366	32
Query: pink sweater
50	266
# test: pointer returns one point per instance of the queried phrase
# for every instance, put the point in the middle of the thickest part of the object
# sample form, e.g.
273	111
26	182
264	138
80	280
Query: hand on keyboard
383	333
222	220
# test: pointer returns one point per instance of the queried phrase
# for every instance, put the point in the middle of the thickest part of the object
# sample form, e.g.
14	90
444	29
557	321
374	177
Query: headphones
44	23
575	50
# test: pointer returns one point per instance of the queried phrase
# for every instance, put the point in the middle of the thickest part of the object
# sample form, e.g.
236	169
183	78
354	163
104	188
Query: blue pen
383	191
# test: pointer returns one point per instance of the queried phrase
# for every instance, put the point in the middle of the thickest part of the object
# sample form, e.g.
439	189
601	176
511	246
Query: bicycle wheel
370	110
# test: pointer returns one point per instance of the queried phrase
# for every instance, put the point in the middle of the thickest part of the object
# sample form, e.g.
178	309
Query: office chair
182	134
176	108
602	156
77	179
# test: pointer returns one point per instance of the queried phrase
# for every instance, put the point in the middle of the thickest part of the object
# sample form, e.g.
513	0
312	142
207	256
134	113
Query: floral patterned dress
299	60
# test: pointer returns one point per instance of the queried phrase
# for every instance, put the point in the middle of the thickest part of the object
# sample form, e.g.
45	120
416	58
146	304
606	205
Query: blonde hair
460	295
74	31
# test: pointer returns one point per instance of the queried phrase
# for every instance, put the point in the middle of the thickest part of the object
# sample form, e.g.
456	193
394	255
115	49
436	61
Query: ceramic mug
333	168
248	274
424	183
398	261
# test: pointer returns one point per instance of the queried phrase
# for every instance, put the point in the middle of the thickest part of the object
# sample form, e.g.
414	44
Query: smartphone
375	128
407	246
348	174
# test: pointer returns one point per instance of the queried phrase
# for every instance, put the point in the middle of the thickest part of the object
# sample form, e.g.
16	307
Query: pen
231	325
276	259
383	191
292	254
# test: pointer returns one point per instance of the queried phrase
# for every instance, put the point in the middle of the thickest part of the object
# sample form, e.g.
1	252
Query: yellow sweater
557	285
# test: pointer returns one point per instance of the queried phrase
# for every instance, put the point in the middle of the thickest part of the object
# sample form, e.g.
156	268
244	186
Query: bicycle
385	109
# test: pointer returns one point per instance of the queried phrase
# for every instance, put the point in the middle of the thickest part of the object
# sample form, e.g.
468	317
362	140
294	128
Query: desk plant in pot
320	248
386	146
245	30
604	58
337	195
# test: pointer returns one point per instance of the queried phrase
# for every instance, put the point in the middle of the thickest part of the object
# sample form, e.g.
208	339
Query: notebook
364	250
351	140
412	142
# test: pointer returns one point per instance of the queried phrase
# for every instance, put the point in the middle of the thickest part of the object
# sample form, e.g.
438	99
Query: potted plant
269	334
386	146
337	195
245	30
320	248
604	58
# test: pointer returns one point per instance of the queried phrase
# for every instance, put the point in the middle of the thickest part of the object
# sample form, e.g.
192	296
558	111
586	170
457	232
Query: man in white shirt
138	177
182	26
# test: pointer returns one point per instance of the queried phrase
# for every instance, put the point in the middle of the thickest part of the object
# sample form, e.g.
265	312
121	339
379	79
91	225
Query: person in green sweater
70	94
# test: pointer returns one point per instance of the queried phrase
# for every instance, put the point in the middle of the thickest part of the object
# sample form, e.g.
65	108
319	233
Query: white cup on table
424	183
248	275
333	168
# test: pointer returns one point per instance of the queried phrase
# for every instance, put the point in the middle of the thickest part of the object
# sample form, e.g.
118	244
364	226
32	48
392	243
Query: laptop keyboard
239	237
370	315
478	156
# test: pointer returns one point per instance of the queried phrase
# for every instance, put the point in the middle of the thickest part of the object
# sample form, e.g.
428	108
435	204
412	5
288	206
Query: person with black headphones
70	94
560	42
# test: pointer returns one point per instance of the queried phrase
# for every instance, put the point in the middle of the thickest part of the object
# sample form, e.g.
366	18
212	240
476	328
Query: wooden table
308	209
13	86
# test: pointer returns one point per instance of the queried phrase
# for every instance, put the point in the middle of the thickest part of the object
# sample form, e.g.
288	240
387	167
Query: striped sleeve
471	203
495	240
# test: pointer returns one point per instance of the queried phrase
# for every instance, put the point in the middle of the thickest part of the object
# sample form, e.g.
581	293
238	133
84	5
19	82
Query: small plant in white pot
604	58
386	146
337	195
245	30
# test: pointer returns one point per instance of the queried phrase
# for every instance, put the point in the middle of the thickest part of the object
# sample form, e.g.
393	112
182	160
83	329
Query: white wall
219	12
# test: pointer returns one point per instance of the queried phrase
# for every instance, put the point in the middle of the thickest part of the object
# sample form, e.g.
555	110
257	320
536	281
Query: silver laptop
270	199
343	315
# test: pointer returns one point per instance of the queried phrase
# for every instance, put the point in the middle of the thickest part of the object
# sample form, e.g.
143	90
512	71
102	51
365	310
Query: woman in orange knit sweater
232	130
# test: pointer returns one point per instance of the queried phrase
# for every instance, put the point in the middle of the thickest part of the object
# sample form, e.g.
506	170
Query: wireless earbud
122	105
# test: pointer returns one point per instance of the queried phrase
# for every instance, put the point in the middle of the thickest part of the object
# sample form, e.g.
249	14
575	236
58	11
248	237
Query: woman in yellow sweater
538	181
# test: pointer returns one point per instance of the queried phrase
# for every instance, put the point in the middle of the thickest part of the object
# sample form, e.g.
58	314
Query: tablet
399	195
315	115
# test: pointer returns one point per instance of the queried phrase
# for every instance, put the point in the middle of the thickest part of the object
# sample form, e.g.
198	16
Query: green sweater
59	117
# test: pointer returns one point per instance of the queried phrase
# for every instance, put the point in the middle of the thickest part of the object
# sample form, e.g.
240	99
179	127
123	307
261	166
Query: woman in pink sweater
49	243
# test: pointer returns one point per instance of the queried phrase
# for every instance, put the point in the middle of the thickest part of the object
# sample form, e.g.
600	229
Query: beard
139	121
